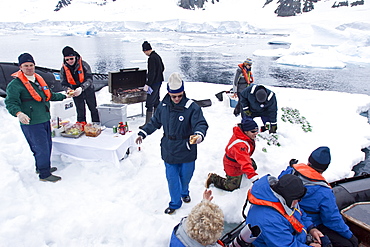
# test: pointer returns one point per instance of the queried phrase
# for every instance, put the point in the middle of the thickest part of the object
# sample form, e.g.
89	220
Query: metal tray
64	134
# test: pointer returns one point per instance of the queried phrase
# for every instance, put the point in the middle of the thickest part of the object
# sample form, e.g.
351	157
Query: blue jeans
178	179
38	137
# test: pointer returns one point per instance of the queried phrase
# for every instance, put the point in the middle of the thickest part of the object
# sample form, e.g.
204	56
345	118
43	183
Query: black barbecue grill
126	86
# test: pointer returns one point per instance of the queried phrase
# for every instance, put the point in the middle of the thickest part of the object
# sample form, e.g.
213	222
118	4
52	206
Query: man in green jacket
28	98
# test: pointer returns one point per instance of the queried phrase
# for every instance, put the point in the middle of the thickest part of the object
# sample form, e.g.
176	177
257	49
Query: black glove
354	241
325	242
254	165
292	162
273	128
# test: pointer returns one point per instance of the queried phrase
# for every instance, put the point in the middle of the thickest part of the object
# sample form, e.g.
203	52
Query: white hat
175	83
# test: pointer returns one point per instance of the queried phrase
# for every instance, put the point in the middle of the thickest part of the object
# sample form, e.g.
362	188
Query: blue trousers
38	137
178	179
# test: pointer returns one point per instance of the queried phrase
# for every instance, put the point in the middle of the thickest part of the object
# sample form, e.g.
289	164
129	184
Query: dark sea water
211	58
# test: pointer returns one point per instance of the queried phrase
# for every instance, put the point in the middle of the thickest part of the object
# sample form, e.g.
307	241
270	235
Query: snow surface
100	204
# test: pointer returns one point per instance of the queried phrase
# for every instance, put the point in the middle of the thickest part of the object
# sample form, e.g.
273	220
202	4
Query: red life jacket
45	88
247	74
309	173
298	227
80	71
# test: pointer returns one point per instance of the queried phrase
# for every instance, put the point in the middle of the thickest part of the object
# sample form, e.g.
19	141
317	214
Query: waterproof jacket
74	69
240	83
276	230
238	152
319	202
19	99
249	102
178	122
180	238
155	69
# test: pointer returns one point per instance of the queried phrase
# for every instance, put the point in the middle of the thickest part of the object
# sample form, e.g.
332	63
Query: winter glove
246	236
293	161
325	242
263	129
195	139
273	128
254	165
354	241
23	118
248	113
77	92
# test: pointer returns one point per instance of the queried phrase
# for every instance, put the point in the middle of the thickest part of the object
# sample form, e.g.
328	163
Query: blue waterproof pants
178	179
38	137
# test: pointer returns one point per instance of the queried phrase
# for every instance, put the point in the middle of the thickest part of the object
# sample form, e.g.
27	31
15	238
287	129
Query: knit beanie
146	46
290	187
24	58
248	61
249	124
261	94
68	51
175	83
320	158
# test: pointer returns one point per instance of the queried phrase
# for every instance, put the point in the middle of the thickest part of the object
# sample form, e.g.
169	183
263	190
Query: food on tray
193	139
92	130
73	131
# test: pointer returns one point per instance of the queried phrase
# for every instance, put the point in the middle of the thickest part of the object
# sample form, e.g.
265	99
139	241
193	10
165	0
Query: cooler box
230	100
63	109
111	114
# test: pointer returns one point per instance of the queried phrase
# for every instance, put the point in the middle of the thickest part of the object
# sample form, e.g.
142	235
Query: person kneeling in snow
204	226
237	159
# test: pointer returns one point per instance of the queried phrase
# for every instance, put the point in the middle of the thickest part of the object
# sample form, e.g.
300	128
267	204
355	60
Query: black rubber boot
148	116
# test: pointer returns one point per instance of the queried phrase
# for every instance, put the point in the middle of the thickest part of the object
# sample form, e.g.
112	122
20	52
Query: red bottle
121	128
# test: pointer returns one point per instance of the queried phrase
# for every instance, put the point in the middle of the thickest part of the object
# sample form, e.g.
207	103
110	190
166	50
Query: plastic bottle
121	128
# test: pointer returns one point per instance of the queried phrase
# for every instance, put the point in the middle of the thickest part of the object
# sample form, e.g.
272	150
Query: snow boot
51	178
148	116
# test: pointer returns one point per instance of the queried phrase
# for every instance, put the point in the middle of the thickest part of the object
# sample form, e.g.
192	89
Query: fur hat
146	46
249	124
175	83
24	58
290	187
68	51
261	94
320	158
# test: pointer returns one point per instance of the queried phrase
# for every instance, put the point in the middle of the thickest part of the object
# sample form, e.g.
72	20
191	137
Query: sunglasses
176	96
254	131
72	58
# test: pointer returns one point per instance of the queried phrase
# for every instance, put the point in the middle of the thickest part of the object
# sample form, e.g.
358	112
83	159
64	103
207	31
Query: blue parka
268	109
275	228
320	205
179	121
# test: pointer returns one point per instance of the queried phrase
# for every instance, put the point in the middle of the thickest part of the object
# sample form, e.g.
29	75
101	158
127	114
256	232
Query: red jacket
237	158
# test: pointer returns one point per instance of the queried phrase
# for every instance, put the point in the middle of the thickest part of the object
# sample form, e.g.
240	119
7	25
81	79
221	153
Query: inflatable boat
353	200
51	76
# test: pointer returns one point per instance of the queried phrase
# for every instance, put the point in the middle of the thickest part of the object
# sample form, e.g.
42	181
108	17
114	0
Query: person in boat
243	78
204	226
76	78
319	202
28	98
259	101
237	159
274	208
184	127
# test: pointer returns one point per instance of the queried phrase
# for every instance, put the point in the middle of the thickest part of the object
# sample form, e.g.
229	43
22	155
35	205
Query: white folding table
105	147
